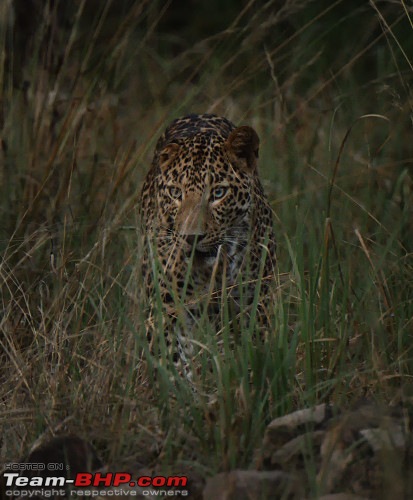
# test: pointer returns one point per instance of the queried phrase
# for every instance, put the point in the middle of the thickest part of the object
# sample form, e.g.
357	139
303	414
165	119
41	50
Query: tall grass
80	117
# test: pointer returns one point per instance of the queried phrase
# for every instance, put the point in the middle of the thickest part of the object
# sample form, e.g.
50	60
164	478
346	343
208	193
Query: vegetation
85	92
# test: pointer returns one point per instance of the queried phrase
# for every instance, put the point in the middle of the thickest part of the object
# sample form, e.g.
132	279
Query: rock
252	484
74	452
367	451
285	436
62	456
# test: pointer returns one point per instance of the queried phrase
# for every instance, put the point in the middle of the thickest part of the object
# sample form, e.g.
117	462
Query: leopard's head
204	188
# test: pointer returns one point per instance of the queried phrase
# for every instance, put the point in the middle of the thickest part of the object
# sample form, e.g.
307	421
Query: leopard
207	228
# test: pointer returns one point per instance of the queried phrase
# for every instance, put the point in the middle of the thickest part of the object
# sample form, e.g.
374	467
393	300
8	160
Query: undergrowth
81	112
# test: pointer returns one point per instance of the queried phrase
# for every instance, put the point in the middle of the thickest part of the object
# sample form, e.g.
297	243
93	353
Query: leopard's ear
167	154
242	145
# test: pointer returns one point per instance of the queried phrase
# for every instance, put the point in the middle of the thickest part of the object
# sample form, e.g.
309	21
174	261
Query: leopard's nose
191	239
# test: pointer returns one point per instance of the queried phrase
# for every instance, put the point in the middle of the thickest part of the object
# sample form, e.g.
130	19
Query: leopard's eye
175	192
219	192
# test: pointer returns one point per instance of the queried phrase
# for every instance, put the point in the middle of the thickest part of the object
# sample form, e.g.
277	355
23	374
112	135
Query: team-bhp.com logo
57	486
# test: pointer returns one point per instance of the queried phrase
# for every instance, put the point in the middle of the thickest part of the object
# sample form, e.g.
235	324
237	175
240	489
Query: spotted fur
207	224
